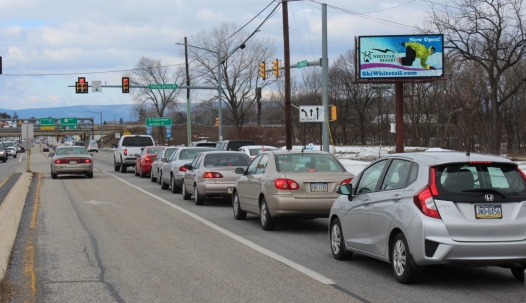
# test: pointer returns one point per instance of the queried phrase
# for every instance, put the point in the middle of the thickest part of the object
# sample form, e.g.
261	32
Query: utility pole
325	79
188	109
286	70
258	105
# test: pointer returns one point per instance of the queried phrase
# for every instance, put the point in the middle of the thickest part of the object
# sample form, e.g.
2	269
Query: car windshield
219	159
259	150
303	162
71	151
189	154
472	178
8	143
137	141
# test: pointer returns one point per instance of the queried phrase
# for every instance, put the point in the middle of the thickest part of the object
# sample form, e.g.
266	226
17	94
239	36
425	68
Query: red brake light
346	181
286	184
209	174
148	159
125	152
87	161
522	173
480	162
182	168
425	202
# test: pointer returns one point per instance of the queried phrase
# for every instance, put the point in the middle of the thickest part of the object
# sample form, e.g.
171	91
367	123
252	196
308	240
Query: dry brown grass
6	290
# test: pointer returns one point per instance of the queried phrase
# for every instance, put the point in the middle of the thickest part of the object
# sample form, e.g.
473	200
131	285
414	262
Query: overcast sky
101	39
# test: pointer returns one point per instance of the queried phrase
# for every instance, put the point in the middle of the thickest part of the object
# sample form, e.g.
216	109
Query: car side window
252	167
262	165
197	161
396	175
370	178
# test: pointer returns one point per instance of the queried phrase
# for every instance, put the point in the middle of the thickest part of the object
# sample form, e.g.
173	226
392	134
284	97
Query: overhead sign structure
402	57
164	121
311	113
47	123
163	86
96	86
68	123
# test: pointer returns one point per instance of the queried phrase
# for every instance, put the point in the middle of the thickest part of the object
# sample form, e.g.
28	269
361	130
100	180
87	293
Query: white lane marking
319	277
100	202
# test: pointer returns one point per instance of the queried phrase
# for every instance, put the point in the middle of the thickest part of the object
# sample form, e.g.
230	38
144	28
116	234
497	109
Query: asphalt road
121	238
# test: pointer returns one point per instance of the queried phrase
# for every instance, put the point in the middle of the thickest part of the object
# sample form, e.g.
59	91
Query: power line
250	20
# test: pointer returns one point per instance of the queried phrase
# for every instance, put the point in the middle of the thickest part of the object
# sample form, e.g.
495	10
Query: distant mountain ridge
109	112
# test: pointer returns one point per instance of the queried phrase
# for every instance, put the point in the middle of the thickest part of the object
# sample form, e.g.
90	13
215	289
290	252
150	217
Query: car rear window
303	162
219	159
190	154
257	151
137	141
474	178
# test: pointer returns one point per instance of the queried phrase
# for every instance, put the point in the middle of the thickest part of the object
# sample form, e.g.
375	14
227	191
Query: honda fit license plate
318	187
488	211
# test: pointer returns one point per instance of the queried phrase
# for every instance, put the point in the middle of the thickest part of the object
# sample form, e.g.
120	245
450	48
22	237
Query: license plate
230	190
318	187
72	162
488	211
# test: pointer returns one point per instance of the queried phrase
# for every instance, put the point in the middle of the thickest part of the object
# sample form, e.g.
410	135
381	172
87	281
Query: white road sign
311	113
96	86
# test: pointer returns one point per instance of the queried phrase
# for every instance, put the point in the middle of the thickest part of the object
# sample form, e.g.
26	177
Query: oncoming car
71	160
430	208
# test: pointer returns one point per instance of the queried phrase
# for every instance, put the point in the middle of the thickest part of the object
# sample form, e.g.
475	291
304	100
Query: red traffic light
125	85
81	86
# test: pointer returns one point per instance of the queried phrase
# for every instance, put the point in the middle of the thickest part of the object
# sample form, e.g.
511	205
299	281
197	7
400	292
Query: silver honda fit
426	208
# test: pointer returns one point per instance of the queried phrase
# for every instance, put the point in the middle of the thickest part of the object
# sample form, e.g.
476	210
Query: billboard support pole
325	80
399	95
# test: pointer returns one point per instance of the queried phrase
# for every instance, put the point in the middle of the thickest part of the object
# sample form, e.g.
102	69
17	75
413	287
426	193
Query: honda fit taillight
286	184
425	202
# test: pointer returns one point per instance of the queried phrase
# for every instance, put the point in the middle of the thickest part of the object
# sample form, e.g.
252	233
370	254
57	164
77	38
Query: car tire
116	166
53	176
159	173
267	222
141	174
163	185
175	189
199	200
123	168
152	178
4	160
239	214
402	266
14	156
135	171
89	175
186	195
518	272
337	241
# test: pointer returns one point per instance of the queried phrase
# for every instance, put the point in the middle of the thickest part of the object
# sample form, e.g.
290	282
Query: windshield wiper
484	190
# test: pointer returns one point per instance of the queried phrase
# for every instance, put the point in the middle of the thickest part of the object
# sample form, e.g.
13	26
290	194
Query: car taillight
522	173
346	181
125	152
209	174
87	161
148	159
286	184
425	202
182	168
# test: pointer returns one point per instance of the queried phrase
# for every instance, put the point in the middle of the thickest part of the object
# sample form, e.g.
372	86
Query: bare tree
489	33
240	55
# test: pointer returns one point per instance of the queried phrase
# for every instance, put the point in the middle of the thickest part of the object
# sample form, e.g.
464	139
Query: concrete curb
10	214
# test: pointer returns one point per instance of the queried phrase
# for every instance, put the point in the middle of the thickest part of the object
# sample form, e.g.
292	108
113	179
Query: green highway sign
158	121
71	122
163	86
47	122
302	64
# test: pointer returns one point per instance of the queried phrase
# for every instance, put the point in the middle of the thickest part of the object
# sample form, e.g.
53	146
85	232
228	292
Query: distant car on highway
143	164
93	147
288	183
173	170
211	174
71	160
253	150
79	143
162	157
429	208
3	152
11	148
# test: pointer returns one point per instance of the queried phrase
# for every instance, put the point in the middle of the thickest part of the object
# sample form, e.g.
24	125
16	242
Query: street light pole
100	113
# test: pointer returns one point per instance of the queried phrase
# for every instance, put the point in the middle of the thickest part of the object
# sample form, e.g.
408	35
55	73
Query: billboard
400	57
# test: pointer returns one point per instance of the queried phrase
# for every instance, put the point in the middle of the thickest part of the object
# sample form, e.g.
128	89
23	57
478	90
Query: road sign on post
96	86
47	123
311	113
163	86
164	121
68	123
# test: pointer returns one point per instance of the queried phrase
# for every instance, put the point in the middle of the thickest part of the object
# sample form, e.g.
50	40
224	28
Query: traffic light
333	113
125	85
275	68
217	122
81	86
263	70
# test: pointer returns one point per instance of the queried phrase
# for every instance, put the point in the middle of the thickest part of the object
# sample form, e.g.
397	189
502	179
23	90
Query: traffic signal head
275	68
263	70
126	85
81	86
217	121
333	113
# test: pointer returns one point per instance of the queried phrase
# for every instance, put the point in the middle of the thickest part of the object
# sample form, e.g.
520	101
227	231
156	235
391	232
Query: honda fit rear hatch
482	201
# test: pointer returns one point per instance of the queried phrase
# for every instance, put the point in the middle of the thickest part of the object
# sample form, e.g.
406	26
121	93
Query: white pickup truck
127	150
